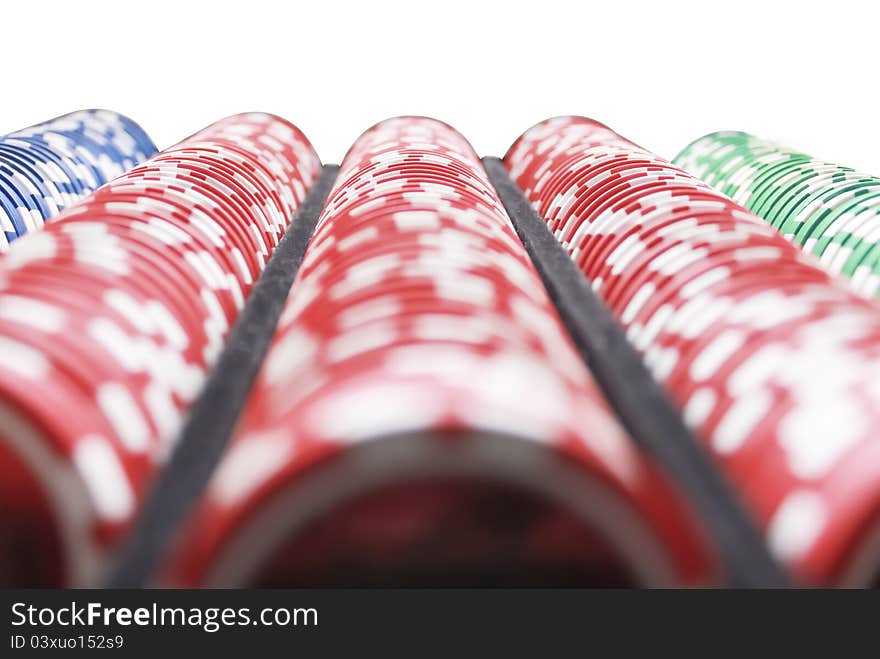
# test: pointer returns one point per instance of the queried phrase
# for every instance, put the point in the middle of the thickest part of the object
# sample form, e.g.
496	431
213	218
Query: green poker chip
830	223
824	188
742	185
867	273
832	211
763	173
800	185
801	209
711	155
859	235
772	181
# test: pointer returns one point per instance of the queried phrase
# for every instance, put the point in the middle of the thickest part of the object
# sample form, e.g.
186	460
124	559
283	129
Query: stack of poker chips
422	416
772	362
109	320
47	167
833	212
421	413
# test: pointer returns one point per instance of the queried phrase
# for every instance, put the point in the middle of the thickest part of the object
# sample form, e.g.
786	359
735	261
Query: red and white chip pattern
775	365
417	310
111	317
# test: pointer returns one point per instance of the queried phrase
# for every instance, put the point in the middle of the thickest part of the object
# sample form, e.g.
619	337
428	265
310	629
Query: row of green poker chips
833	212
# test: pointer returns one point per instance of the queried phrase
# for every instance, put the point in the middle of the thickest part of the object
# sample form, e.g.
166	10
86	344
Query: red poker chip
105	395
415	264
377	172
409	192
696	276
47	399
53	276
148	274
158	278
210	170
634	198
606	193
840	492
424	178
233	161
149	243
399	245
280	188
638	304
396	305
406	201
248	234
141	283
392	532
596	183
591	200
73	514
665	256
653	206
604	218
690	320
621	244
741	461
219	178
444	167
288	180
434	258
412	263
272	226
411	198
574	175
217	224
405	159
171	220
851	522
650	259
571	175
123	358
657	220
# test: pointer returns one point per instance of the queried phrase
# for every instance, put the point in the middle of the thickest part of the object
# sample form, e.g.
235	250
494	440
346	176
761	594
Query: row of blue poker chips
48	166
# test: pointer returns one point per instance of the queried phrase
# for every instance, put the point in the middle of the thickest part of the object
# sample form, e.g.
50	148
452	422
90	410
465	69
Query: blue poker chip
105	159
13	205
68	165
20	200
80	156
62	151
46	167
121	141
59	192
29	183
93	139
7	212
146	147
126	135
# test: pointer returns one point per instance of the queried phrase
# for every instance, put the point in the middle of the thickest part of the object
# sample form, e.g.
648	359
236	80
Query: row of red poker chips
421	416
776	366
109	320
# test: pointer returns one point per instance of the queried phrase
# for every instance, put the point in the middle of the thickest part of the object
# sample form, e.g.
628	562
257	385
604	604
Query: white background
661	73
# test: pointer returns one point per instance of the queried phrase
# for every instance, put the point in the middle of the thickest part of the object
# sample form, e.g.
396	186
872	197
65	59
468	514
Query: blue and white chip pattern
49	166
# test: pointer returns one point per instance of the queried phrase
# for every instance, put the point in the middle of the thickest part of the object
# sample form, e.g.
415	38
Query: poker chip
47	167
829	210
111	317
772	362
422	417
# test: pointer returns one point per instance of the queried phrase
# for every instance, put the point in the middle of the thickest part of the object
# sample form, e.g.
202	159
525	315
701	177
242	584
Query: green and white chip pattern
833	212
